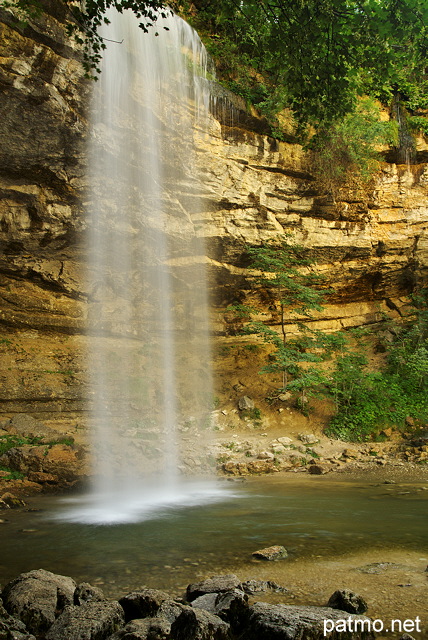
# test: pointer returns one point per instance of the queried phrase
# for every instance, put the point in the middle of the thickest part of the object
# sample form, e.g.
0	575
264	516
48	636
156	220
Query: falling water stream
151	390
150	374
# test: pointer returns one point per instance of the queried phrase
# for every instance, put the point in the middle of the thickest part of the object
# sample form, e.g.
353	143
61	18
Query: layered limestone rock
42	113
372	247
42	130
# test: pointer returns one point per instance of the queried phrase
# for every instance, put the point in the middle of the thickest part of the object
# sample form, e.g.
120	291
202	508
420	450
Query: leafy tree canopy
312	56
317	56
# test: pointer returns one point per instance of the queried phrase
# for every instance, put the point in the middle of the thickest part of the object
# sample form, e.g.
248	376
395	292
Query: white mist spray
150	376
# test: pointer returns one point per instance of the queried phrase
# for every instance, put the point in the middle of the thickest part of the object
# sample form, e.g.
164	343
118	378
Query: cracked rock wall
254	188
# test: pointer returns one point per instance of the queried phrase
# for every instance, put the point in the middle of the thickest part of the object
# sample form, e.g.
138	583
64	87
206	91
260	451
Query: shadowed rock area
41	603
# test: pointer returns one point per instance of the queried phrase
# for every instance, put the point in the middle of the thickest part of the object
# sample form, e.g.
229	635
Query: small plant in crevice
251	414
10	441
312	453
215	404
222	458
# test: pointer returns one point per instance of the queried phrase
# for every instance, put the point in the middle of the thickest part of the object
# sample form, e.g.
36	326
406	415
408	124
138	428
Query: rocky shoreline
39	459
46	606
53	466
316	454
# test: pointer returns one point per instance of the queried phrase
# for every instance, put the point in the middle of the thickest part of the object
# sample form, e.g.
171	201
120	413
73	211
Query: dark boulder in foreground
197	624
144	629
91	621
85	592
289	622
37	598
40	604
143	604
215	584
231	606
11	628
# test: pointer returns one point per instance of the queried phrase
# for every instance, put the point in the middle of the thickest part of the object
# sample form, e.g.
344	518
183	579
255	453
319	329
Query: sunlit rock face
42	114
372	249
42	130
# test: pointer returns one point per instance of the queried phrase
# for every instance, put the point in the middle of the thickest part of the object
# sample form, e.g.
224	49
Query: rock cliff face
255	188
371	248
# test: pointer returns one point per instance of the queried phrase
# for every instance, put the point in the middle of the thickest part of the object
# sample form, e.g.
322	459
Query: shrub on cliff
282	276
367	400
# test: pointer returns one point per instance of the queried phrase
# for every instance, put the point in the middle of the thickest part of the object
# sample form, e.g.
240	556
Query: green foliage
215	402
22	10
366	400
253	414
10	441
314	57
86	18
345	153
11	474
312	453
280	264
317	56
419	124
282	270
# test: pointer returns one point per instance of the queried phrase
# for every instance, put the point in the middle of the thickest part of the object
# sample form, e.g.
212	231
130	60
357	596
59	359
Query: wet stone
143	604
11	501
85	592
259	586
276	552
37	597
347	600
215	584
318	469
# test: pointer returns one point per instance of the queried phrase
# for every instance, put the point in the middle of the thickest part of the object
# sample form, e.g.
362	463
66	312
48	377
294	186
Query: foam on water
155	501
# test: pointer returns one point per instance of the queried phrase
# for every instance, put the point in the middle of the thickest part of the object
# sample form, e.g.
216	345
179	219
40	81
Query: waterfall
149	360
405	150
